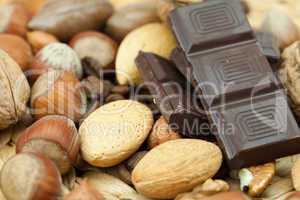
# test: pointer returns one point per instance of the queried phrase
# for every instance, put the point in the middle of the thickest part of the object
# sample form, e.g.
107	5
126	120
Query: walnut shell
14	91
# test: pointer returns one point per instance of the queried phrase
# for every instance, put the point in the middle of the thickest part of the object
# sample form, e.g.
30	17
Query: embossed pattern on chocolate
249	112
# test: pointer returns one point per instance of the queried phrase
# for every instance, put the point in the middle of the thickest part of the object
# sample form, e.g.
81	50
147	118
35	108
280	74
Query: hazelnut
255	180
97	46
18	49
281	26
13	19
40	39
15	91
161	133
55	137
84	191
30	176
131	17
56	56
60	93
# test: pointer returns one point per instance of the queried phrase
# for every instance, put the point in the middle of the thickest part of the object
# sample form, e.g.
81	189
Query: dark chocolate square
231	73
252	131
211	24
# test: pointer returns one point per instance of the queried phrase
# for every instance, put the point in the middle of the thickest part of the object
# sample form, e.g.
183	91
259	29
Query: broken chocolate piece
170	91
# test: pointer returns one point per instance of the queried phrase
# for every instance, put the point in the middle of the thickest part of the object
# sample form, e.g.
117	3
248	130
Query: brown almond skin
43	182
98	46
14	18
63	95
17	48
40	39
57	129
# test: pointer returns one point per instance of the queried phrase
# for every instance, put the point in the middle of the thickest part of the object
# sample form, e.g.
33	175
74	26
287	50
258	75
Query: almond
14	19
154	37
112	188
56	56
175	167
56	15
40	39
114	132
97	46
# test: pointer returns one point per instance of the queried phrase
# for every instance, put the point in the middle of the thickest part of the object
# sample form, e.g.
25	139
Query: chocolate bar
267	42
247	107
270	46
169	89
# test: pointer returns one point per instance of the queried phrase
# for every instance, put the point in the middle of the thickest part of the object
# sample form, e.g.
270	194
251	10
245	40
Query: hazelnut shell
58	129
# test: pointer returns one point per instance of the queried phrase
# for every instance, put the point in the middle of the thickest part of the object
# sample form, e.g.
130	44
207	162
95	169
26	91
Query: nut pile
76	122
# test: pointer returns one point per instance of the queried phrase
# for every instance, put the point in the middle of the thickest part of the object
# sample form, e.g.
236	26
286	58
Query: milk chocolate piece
247	108
170	91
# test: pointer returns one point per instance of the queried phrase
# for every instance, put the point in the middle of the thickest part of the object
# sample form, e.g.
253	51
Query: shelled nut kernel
30	176
17	48
55	137
60	93
255	180
56	56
